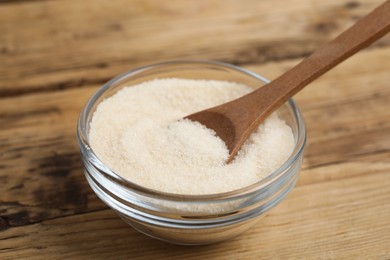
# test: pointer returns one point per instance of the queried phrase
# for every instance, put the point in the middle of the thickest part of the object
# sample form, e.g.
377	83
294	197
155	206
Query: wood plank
341	209
39	153
40	169
54	50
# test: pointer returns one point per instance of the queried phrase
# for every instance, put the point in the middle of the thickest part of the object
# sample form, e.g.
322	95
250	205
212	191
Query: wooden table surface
54	54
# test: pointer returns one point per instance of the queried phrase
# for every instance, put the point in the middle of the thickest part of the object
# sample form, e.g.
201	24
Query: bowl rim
89	154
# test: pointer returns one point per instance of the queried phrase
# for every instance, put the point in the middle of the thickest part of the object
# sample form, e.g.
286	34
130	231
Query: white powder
138	134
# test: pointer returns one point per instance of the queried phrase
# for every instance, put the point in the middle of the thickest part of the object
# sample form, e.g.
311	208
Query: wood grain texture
55	54
328	219
52	50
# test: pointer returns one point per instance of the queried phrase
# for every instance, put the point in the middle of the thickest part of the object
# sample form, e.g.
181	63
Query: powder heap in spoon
139	134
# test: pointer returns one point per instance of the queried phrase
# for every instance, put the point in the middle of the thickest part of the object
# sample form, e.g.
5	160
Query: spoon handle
366	31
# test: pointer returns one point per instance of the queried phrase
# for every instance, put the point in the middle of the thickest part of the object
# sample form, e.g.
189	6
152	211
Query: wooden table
55	54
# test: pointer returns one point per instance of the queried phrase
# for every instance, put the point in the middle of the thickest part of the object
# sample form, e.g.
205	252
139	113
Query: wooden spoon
234	121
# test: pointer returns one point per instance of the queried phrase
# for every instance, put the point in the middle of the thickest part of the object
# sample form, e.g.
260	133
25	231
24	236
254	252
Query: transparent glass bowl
189	219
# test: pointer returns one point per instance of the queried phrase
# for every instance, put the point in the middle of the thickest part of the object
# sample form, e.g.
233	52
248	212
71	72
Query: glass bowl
189	219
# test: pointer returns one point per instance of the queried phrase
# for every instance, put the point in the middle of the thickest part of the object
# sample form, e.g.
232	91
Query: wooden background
55	53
